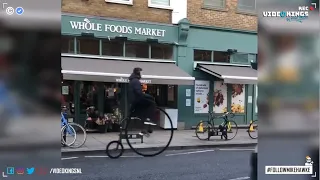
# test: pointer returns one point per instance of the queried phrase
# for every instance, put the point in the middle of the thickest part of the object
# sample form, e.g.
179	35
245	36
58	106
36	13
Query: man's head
137	71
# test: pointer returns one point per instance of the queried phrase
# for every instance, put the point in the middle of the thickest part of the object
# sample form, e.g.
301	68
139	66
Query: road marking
131	156
236	149
192	152
95	156
240	178
108	156
69	158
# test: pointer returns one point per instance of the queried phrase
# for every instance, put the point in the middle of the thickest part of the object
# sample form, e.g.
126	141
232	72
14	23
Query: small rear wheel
202	130
114	149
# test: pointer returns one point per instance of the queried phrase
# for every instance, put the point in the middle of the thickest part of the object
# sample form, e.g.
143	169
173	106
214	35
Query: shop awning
231	74
104	70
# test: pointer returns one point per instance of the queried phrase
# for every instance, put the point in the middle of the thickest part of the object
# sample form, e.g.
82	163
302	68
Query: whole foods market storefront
98	56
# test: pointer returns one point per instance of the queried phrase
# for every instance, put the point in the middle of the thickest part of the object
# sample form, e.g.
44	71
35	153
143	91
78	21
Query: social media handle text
65	171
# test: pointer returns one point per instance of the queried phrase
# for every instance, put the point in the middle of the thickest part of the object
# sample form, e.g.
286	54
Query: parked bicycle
133	137
71	132
253	129
228	129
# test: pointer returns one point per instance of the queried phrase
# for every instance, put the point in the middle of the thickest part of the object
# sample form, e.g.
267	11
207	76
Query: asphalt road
200	164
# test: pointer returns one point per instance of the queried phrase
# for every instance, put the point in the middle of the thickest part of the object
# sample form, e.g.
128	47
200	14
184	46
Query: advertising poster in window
220	97
238	98
201	96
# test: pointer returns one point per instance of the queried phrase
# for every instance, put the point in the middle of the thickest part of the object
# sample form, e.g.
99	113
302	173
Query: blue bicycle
73	131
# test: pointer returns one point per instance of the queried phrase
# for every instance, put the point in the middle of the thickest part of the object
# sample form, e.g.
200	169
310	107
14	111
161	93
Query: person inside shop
142	104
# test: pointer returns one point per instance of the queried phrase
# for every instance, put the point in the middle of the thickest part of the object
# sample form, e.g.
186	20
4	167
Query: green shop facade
179	65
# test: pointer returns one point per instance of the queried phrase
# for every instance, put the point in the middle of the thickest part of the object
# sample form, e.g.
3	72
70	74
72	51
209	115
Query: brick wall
228	18
139	11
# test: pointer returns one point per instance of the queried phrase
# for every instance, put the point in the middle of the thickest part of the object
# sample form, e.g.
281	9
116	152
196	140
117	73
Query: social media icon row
20	171
11	10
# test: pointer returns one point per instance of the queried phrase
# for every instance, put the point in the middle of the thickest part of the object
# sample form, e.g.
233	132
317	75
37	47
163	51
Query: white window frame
129	2
160	6
246	10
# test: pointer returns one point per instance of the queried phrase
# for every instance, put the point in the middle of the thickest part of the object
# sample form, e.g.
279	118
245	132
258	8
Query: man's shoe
148	122
143	133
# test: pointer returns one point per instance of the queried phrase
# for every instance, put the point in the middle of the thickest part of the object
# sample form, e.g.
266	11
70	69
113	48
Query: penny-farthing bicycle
155	135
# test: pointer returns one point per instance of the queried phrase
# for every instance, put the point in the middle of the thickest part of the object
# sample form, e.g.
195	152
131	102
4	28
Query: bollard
251	127
200	129
229	130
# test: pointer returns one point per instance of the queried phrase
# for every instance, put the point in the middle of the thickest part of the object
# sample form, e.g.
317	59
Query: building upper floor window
137	49
214	4
220	56
202	55
247	6
67	44
162	4
161	51
88	46
128	2
115	47
112	48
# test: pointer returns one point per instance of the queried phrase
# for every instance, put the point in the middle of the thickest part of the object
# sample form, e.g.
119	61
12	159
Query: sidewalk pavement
182	139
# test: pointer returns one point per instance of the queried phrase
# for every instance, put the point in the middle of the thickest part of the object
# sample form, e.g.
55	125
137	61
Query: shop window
67	44
238	98
111	97
220	97
112	48
161	51
137	49
202	55
220	56
67	91
171	93
88	96
88	46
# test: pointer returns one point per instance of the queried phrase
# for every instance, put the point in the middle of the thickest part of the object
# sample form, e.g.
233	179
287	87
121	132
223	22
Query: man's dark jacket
135	89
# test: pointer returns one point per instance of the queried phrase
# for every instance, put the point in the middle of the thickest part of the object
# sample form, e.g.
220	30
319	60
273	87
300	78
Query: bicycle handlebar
224	114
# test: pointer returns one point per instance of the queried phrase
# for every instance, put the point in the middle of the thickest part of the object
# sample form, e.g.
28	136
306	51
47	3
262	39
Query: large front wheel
158	133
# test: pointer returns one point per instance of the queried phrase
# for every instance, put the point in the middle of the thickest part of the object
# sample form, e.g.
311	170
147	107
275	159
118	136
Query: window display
238	98
220	100
201	96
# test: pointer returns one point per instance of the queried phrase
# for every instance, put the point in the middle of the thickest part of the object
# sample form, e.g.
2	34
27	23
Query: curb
83	152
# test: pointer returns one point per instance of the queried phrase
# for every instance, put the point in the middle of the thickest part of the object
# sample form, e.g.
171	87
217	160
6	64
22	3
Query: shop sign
201	96
114	28
126	80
